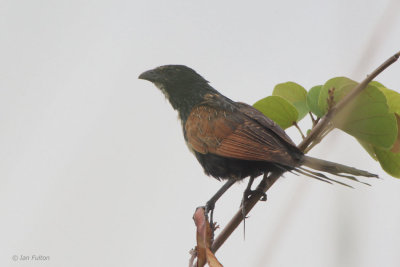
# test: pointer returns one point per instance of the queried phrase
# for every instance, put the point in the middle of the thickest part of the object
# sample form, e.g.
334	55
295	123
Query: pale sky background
93	166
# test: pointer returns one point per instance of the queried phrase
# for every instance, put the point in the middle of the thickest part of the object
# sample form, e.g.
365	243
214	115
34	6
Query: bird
233	140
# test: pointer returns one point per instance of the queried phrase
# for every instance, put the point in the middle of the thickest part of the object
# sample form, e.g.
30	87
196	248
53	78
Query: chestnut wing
231	133
265	121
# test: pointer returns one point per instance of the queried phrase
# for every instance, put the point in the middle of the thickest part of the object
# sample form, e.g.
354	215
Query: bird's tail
332	168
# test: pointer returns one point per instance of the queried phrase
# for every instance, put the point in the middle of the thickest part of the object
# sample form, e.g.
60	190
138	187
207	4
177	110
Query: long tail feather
335	168
332	168
320	176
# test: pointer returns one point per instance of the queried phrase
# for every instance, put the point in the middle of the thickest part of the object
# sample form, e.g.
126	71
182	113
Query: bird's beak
149	75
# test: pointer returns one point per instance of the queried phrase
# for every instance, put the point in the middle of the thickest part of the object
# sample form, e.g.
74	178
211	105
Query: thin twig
327	130
312	119
315	133
298	128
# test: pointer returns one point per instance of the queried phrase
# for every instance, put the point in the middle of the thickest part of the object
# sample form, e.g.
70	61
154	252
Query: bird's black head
182	86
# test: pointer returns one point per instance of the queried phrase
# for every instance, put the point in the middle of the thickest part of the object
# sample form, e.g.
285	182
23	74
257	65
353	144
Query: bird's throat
183	100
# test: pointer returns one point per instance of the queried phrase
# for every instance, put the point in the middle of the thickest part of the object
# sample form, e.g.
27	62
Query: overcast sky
93	167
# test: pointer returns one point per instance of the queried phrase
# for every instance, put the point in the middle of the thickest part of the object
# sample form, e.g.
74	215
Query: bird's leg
210	205
248	193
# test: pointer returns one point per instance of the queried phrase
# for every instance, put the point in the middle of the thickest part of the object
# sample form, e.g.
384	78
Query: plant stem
312	119
298	128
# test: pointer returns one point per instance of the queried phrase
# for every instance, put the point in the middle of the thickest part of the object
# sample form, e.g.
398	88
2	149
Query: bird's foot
247	194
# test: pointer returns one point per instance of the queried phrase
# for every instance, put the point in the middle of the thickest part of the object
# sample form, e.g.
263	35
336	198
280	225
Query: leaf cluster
373	117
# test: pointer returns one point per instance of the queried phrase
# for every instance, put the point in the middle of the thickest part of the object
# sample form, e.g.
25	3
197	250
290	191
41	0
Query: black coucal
233	140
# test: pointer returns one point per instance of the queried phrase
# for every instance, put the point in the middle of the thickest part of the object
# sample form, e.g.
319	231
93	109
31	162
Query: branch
316	132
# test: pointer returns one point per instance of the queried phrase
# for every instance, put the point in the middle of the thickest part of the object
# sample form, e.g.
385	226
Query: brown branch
320	127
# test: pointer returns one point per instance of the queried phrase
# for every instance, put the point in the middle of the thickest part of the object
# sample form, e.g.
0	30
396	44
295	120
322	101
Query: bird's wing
264	121
223	129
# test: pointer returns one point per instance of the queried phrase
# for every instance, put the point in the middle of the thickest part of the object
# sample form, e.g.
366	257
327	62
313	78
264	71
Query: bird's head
171	75
182	86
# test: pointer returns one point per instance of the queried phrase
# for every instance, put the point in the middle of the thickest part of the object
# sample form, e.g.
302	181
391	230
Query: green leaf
377	84
278	109
389	161
368	119
312	101
396	146
393	101
392	98
337	84
294	94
